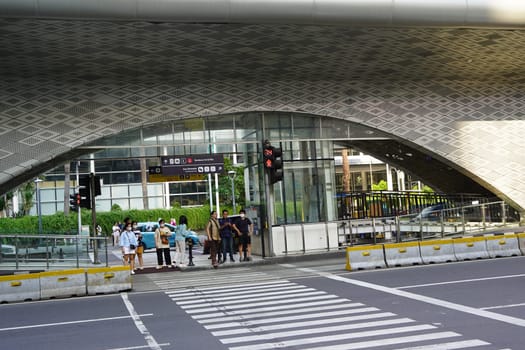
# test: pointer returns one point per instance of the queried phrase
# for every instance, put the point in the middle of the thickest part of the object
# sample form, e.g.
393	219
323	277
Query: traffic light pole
93	218
79	216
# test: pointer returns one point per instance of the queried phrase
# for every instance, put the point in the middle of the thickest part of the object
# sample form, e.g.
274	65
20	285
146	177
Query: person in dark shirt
226	236
244	228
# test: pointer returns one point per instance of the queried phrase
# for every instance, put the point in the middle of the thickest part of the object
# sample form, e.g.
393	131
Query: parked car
148	234
432	213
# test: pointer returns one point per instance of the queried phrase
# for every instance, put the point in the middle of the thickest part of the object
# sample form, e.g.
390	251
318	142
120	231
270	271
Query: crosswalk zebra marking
247	315
269	314
449	345
267	336
332	319
333	337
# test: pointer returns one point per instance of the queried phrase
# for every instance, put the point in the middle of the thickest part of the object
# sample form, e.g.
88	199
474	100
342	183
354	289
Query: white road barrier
402	254
61	284
470	248
108	280
365	257
22	287
437	251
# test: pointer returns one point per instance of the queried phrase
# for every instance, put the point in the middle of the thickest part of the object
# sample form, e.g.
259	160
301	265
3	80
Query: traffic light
74	201
85	192
276	173
272	159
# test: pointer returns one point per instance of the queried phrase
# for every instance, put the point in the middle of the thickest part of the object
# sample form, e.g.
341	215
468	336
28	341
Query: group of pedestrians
223	232
130	241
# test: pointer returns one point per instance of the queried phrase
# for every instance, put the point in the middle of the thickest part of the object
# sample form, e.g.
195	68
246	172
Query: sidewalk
201	261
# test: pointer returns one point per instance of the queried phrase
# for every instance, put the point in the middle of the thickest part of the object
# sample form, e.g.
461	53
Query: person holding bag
212	229
128	243
162	243
140	245
181	232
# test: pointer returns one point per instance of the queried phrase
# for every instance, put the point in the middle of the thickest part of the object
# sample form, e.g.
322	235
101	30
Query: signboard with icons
192	164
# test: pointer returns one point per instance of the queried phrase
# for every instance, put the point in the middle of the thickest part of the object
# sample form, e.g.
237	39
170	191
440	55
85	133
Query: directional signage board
155	175
192	164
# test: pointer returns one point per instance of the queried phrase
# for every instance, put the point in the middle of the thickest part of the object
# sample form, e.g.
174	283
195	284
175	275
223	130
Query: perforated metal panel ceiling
455	93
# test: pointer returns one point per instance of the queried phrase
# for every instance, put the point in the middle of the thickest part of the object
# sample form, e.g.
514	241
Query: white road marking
139	347
243	306
341	310
382	342
69	322
152	343
306	331
460	281
334	337
253	295
502	306
429	300
274	308
449	346
279	320
191	295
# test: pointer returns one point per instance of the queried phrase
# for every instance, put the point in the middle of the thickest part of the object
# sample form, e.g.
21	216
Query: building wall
457	94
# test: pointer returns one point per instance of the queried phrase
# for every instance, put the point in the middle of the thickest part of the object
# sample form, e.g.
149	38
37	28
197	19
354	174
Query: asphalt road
301	305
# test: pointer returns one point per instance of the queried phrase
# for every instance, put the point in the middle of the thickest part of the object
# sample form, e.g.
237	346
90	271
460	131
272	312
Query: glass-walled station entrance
305	196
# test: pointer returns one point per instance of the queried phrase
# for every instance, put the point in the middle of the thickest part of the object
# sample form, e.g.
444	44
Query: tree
225	185
27	192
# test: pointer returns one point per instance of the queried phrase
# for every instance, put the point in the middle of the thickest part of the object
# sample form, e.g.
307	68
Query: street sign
192	164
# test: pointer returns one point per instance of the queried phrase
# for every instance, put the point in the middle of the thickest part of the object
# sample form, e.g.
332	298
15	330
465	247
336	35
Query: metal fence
50	252
428	224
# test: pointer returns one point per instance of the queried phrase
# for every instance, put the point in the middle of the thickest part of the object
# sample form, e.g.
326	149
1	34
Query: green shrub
62	224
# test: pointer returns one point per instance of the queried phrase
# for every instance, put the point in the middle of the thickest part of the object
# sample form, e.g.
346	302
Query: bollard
189	242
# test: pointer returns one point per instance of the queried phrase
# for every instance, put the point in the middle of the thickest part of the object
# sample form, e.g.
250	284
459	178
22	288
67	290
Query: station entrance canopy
443	78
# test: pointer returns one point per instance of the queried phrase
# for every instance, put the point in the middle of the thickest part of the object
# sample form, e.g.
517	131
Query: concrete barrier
22	287
365	257
104	280
437	251
521	241
402	254
61	284
503	245
469	248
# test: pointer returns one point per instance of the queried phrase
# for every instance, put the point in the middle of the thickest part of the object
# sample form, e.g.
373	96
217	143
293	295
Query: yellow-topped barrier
402	254
102	280
63	283
365	257
23	287
470	248
437	251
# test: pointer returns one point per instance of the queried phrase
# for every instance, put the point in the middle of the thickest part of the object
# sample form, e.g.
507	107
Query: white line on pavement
460	281
502	306
152	343
68	322
429	300
139	347
450	345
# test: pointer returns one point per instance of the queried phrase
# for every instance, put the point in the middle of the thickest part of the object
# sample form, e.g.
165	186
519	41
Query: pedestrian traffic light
273	162
276	173
85	192
74	201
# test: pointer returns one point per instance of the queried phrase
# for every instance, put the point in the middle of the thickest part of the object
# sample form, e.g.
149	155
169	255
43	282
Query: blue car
148	234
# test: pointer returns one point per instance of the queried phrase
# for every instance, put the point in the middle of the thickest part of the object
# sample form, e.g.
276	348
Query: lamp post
38	206
231	175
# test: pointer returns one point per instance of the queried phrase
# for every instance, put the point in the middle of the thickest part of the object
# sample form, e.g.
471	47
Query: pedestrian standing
226	236
162	244
212	229
140	245
116	233
244	228
128	244
181	232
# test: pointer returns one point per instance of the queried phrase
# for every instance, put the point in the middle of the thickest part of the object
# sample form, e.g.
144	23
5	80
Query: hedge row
62	224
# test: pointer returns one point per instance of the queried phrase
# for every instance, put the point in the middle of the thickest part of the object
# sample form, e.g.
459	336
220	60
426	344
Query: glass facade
306	194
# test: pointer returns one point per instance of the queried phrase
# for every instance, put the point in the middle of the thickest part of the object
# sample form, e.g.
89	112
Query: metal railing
48	252
428	224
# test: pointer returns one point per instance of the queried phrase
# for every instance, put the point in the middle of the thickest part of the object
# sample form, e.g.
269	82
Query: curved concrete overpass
455	95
